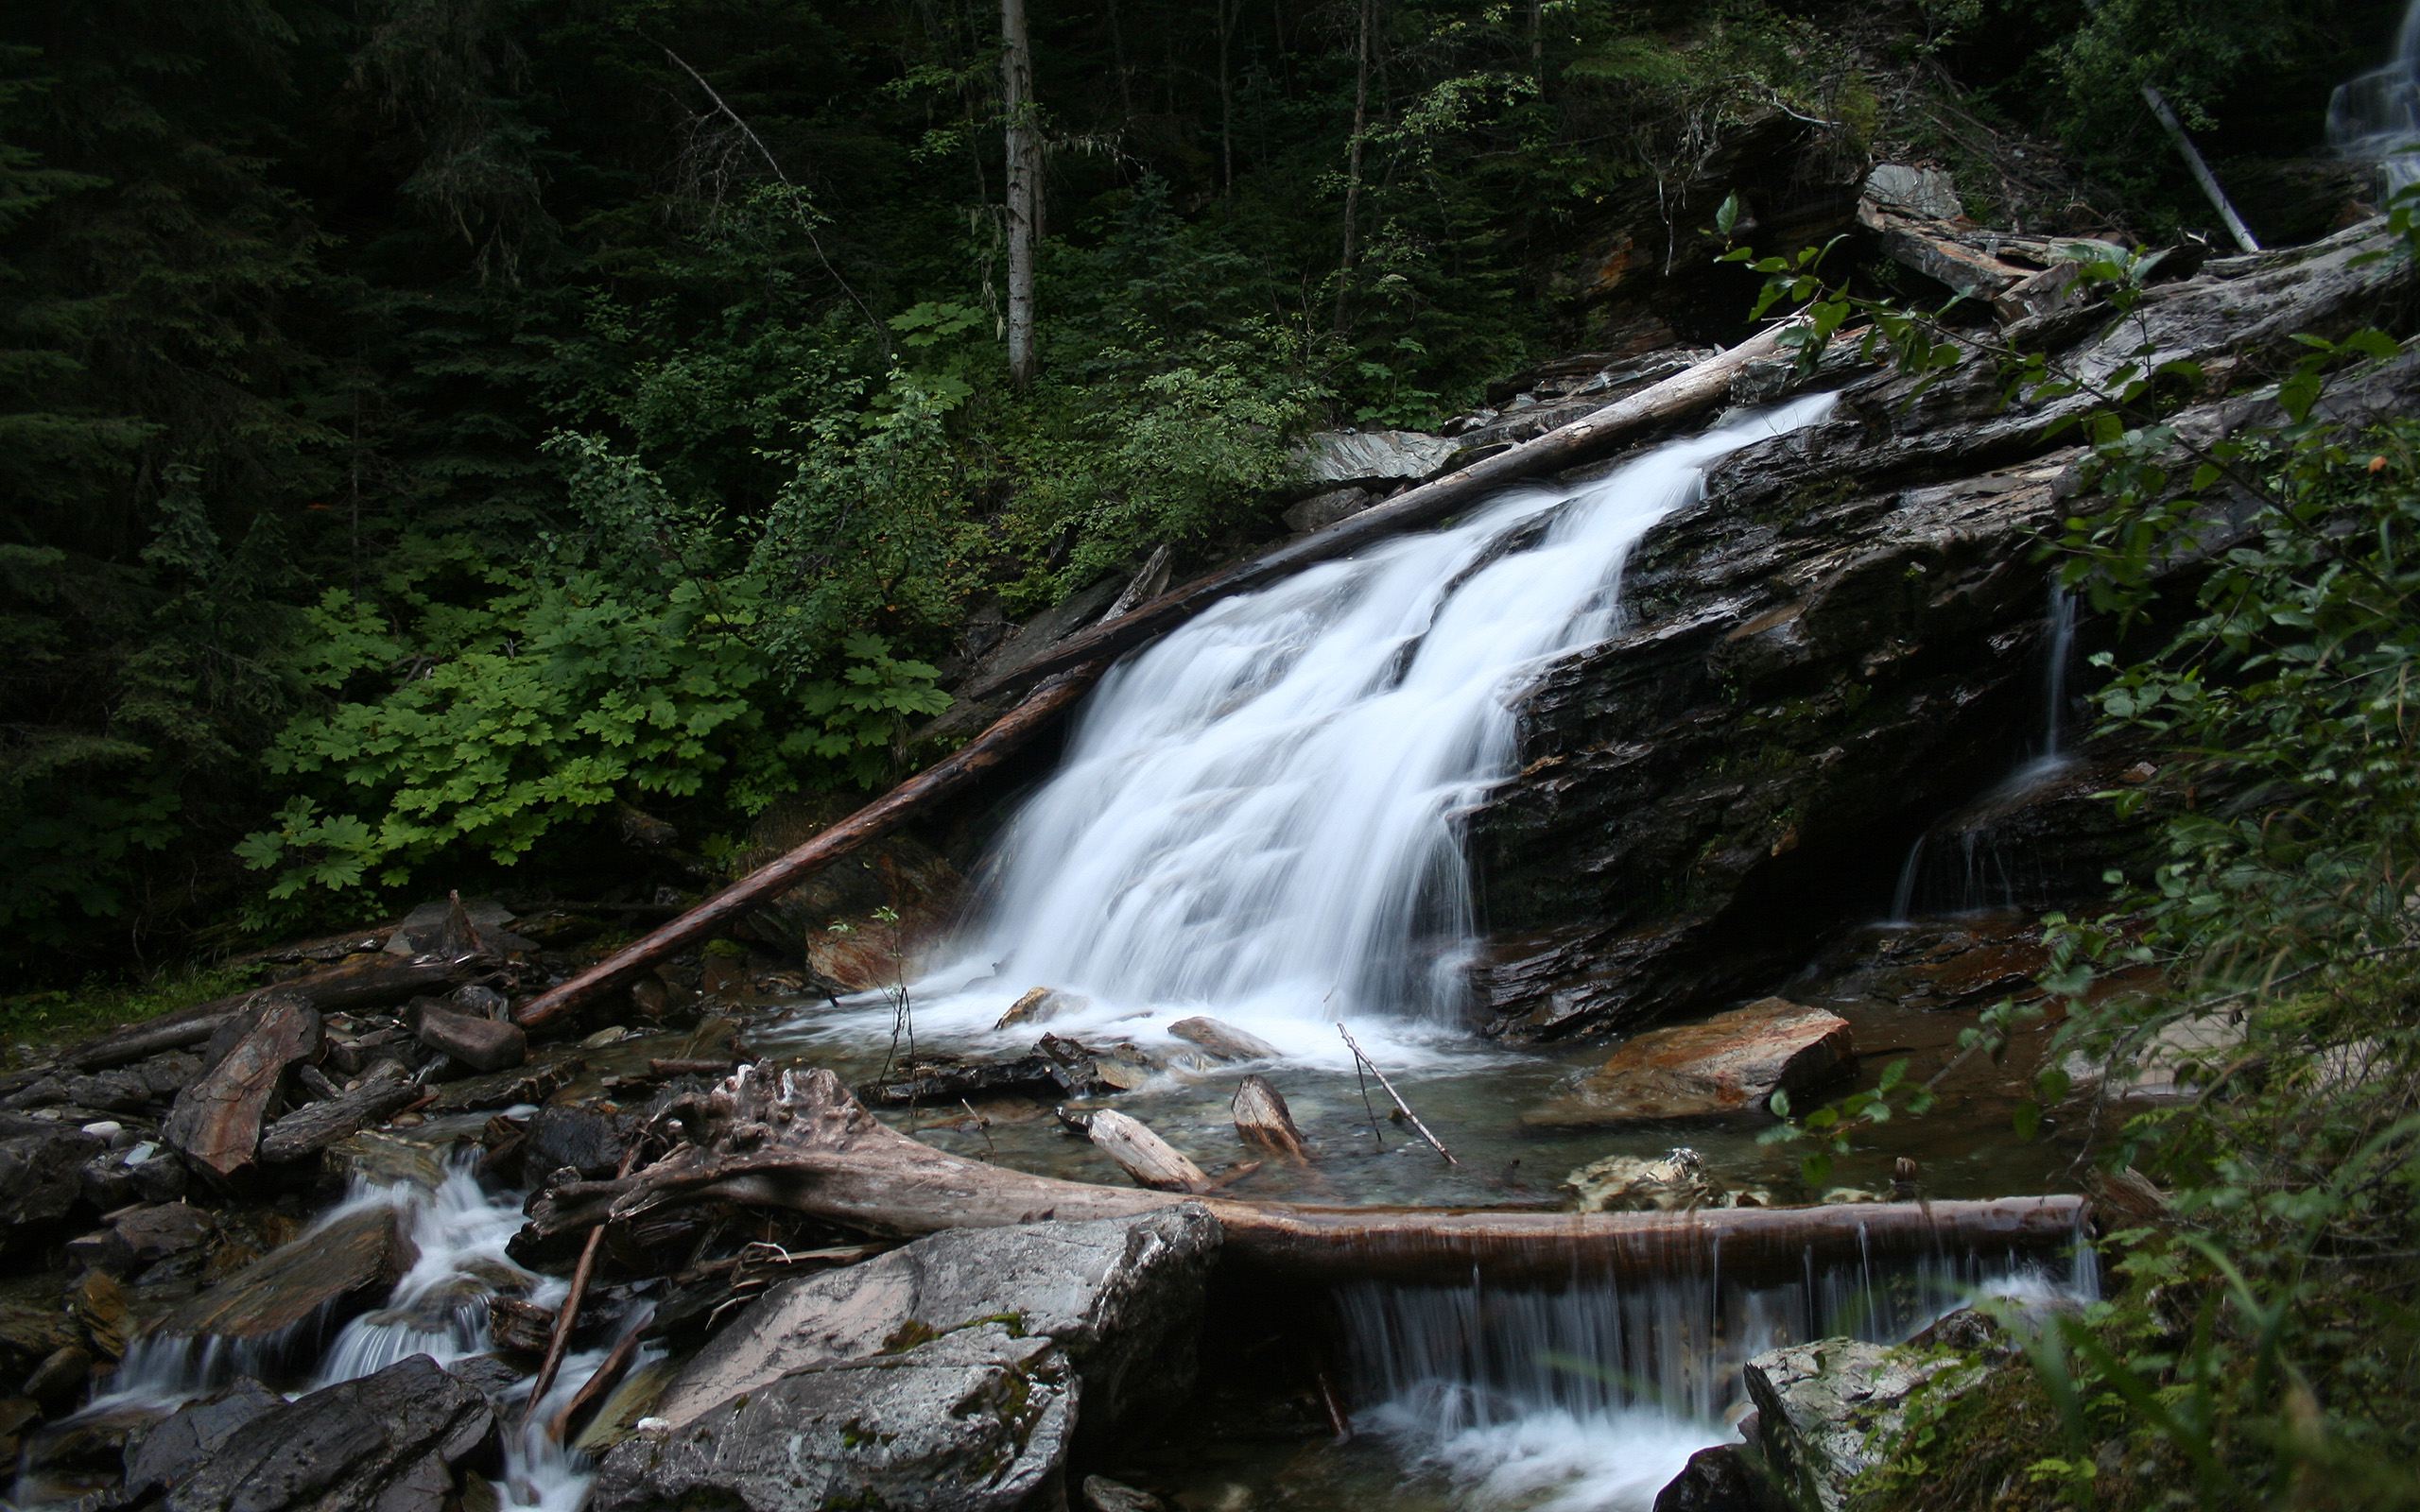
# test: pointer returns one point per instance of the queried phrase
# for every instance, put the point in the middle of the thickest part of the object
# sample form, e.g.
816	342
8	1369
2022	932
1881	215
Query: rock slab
1730	1063
1824	1409
331	1272
390	1442
948	1374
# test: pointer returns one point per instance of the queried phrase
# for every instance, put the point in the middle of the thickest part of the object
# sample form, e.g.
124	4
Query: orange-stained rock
1726	1064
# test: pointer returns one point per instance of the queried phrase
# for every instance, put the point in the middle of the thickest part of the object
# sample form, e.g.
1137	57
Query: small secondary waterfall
1591	1399
2375	116
1259	812
1970	869
439	1308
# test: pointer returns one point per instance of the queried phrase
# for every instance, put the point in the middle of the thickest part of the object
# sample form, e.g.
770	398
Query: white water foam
1592	1397
1258	817
438	1308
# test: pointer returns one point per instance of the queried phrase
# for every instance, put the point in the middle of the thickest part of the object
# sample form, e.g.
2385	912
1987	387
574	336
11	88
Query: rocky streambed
359	1238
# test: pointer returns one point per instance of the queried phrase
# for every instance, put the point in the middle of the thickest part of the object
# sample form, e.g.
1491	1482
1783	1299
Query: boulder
1224	1042
392	1442
1328	507
1720	1478
975	1420
1927	194
1842	641
1332	458
1040	1006
1730	1063
482	1044
217	1121
136	1237
321	1278
1122	1297
160	1458
1825	1409
39	1178
584	1139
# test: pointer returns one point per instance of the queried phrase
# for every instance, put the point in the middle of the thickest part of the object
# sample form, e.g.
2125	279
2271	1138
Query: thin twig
1434	1142
881	331
569	1314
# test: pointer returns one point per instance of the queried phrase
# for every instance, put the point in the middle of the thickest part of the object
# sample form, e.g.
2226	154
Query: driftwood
1223	1041
1152	1160
1591	437
369	981
215	1123
567	1316
1363	1062
1263	1119
798	1141
878	819
314	1127
601	1381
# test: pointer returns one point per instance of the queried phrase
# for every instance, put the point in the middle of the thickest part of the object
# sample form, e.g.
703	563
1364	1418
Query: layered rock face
1844	641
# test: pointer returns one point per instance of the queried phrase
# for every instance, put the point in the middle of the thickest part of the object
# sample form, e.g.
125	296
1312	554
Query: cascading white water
1981	875
1591	1399
2375	116
438	1308
1258	813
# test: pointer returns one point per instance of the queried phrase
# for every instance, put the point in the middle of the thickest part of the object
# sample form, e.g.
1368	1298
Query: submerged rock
1634	1183
1730	1063
952	1373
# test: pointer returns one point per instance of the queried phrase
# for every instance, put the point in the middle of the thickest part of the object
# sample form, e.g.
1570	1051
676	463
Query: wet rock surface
1825	1409
344	1265
951	1373
1122	1297
392	1441
1844	641
1730	1063
975	1421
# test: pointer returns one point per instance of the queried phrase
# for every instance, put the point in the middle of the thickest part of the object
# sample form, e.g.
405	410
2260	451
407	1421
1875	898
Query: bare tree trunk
798	1141
1353	160
1025	173
1125	74
1230	11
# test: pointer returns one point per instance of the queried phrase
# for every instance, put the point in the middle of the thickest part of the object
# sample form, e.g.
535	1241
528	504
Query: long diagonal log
799	1140
1585	439
872	822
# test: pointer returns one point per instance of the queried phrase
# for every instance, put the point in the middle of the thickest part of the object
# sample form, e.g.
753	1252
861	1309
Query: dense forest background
430	425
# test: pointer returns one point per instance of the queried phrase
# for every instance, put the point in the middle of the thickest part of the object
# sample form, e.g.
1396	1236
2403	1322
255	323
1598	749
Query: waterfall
2375	116
1981	875
1259	812
1591	1399
438	1308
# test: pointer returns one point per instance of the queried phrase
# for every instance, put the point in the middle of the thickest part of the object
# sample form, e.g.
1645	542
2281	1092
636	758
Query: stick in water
1364	1061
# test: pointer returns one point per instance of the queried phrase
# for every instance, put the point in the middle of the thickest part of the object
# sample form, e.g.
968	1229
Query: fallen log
1263	1119
314	1127
878	819
1152	1160
798	1141
1685	393
215	1123
370	981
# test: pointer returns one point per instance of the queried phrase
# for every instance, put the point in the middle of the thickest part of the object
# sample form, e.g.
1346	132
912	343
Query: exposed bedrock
1844	643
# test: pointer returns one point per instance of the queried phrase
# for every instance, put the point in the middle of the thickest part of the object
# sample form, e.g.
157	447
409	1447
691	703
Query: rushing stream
1257	817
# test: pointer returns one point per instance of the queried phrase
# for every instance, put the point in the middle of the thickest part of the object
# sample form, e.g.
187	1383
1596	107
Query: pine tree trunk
1025	172
1353	162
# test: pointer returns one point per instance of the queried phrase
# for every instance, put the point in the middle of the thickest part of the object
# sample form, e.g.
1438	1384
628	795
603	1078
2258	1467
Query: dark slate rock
390	1441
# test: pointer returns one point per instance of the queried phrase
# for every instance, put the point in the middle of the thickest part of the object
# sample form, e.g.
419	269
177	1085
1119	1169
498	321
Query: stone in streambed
1720	1478
1730	1063
392	1442
482	1044
1040	1006
166	1453
324	1276
1223	1041
952	1373
39	1178
1825	1408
